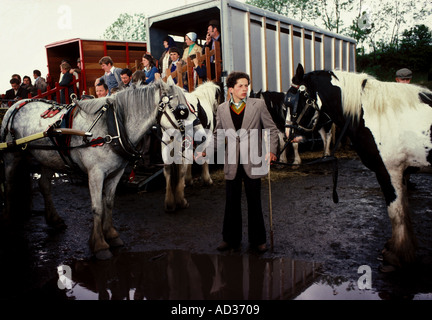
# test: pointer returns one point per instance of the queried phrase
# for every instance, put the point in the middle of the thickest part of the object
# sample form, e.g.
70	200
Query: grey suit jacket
245	146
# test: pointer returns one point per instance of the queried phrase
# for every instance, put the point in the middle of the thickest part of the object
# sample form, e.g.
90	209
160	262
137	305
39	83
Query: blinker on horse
389	125
135	111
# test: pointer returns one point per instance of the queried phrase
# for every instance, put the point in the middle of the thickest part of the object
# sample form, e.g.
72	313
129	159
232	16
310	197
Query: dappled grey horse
125	119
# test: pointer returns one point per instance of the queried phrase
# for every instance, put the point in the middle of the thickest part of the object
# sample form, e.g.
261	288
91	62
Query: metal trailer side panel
266	45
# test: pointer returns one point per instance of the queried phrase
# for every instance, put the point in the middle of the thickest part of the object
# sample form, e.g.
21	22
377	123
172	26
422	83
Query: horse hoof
184	205
115	242
104	254
208	182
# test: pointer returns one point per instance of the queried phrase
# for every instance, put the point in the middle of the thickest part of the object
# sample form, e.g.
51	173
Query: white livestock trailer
266	45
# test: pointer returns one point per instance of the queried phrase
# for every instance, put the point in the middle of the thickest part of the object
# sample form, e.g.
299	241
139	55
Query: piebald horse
389	125
283	109
129	114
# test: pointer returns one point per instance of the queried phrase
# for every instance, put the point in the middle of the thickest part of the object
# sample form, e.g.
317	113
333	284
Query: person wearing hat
164	60
192	48
404	75
174	53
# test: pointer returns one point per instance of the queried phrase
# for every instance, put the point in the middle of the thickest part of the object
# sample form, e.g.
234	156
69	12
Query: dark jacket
22	93
66	82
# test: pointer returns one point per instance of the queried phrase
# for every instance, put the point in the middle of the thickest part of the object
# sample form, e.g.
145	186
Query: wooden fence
188	68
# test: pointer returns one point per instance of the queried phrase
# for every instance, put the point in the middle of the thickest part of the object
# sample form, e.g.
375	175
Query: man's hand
199	155
270	157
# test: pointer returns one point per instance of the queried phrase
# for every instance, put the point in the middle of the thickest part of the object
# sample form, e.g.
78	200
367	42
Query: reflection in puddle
180	275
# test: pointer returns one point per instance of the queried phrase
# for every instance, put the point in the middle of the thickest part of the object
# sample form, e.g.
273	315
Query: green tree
127	28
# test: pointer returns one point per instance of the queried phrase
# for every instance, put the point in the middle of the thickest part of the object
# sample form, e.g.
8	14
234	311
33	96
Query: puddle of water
349	291
180	275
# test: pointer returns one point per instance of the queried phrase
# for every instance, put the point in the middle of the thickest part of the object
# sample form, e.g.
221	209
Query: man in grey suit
240	124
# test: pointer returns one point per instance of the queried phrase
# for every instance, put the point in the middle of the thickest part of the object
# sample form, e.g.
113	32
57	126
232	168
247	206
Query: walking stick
270	211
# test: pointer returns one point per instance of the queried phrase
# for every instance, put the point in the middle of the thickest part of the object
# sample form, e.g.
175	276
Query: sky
27	26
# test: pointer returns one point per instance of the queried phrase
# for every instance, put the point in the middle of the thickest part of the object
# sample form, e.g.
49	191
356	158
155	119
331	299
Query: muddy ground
318	245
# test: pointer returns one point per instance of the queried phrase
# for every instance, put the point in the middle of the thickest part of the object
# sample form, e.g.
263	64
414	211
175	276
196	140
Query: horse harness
293	99
181	113
116	133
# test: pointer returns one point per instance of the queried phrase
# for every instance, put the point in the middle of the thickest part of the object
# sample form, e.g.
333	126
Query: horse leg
52	218
188	175
283	156
110	233
326	138
400	249
205	174
181	202
169	203
297	159
97	242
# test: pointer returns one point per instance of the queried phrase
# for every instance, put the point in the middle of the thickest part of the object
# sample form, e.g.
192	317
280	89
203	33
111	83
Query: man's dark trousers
232	225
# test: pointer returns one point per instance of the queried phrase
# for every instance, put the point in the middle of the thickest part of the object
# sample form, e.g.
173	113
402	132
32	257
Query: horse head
303	106
178	119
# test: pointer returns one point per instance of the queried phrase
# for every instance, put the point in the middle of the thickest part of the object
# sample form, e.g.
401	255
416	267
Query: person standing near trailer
243	121
112	76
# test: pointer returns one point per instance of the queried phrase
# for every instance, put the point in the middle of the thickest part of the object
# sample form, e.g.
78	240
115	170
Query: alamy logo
242	146
65	277
365	281
64	21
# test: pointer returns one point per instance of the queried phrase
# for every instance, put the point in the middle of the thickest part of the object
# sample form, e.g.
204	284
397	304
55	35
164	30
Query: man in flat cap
403	75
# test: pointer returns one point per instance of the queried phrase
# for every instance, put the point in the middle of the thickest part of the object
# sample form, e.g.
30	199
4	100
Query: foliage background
390	34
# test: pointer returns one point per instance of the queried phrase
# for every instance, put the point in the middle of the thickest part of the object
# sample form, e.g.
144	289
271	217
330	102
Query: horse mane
207	91
360	90
91	106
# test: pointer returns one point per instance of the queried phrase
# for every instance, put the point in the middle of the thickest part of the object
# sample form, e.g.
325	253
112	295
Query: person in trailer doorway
243	115
112	77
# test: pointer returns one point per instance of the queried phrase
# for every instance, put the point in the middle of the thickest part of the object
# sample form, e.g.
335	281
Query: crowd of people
115	78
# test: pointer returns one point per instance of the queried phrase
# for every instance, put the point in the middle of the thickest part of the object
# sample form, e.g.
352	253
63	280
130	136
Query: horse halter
181	113
292	101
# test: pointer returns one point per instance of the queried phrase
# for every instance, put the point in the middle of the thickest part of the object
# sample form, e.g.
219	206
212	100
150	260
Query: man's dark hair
14	80
234	76
102	84
126	71
174	49
214	24
37	72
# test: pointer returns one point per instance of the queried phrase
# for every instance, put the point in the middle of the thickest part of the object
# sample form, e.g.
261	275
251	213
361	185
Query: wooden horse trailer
124	54
266	45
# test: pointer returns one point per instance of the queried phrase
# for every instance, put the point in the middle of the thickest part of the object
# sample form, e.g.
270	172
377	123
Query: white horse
129	115
389	125
202	104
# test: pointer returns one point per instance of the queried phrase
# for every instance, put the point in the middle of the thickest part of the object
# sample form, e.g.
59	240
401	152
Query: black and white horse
318	123
283	109
390	127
